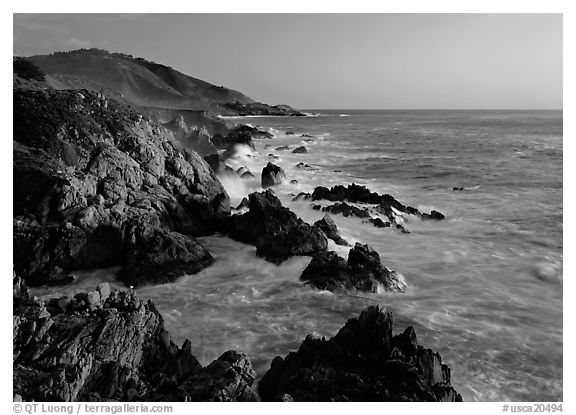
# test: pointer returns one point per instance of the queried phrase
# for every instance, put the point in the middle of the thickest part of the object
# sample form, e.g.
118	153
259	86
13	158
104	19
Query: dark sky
347	61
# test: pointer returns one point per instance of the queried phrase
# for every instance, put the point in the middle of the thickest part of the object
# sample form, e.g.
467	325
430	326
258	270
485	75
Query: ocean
484	285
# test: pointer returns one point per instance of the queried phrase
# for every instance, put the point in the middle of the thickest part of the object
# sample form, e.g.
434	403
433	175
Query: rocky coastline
98	182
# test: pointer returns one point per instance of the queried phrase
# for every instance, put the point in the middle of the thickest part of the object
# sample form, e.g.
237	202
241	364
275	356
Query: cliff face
96	184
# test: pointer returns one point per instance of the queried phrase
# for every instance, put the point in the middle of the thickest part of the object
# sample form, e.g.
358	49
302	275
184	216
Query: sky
334	61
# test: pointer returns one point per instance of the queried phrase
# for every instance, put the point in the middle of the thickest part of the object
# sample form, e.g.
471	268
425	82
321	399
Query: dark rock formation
363	271
111	346
434	215
379	223
289	132
272	175
362	362
244	173
301	196
300	149
281	148
346	209
305	166
385	204
327	225
162	256
92	180
276	232
359	194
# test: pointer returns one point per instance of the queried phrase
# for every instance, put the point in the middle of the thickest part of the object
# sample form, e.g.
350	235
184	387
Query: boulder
301	149
116	351
276	232
327	225
363	271
272	175
363	362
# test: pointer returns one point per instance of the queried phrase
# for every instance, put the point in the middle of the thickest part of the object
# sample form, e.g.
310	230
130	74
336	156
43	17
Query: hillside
145	83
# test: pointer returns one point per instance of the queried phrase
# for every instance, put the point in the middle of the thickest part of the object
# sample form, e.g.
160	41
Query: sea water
484	285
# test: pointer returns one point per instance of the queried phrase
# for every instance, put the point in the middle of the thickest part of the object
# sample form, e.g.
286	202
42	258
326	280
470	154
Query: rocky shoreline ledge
111	346
96	184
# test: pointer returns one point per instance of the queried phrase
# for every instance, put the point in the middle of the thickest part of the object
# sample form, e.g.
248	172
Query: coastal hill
145	83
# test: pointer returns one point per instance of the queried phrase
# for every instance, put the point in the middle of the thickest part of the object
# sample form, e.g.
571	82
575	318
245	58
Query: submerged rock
276	232
327	225
272	175
102	346
363	362
363	271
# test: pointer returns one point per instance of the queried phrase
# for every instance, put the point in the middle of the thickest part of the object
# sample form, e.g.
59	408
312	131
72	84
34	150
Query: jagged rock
228	378
434	215
346	210
360	194
272	175
162	256
379	223
244	173
276	232
87	174
362	362
114	352
301	149
281	148
363	271
301	196
327	225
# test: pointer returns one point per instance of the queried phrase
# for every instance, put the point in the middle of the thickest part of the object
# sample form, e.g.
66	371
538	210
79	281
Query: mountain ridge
145	83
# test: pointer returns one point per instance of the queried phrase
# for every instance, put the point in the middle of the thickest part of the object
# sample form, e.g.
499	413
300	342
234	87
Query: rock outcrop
276	232
111	346
93	181
346	209
272	175
299	150
363	271
327	225
359	194
373	204
362	362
